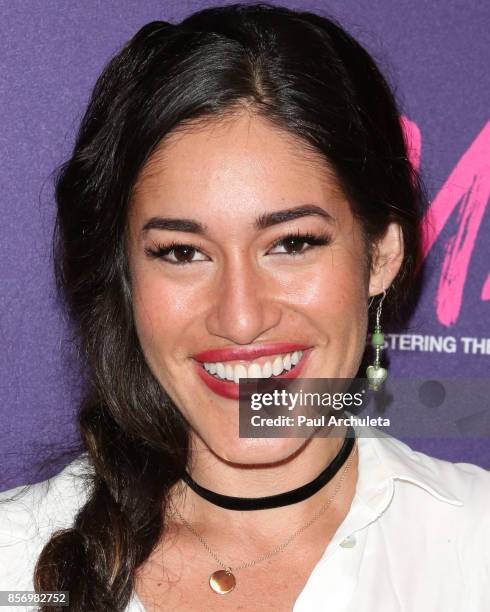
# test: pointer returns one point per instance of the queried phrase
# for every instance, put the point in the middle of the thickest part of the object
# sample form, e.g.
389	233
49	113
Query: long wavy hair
305	75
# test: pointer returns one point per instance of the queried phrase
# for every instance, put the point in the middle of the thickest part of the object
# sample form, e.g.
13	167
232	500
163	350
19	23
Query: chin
257	451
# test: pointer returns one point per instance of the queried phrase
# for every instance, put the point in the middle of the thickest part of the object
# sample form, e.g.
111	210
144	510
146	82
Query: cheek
348	301
334	291
162	314
335	301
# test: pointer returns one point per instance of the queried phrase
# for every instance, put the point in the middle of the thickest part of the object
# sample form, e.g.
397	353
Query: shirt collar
384	459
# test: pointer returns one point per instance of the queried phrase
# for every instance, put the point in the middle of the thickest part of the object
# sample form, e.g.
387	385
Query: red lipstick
230	389
248	353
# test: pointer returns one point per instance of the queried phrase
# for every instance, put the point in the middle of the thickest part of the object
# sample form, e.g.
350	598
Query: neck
259	480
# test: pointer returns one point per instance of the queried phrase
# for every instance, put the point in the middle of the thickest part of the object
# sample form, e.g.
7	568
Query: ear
387	258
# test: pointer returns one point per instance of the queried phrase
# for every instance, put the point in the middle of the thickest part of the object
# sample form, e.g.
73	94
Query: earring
375	373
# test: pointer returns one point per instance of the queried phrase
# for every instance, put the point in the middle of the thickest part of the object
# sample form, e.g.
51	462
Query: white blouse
416	538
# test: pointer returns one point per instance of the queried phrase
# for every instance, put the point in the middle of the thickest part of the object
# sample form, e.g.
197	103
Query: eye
175	253
293	244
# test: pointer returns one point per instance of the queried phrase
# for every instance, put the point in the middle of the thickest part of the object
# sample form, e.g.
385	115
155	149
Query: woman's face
212	269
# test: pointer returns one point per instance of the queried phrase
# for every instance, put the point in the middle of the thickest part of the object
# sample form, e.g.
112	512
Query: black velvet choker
281	499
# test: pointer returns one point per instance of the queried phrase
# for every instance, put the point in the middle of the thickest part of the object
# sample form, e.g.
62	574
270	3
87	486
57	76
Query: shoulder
30	514
428	522
442	508
470	485
435	492
444	500
464	482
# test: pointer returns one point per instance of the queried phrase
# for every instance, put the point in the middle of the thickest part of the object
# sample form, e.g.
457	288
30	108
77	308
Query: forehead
242	161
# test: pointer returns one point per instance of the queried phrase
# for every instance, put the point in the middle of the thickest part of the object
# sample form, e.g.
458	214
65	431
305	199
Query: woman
238	194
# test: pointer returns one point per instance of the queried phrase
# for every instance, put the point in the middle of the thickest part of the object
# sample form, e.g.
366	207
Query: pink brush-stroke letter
467	190
413	140
485	292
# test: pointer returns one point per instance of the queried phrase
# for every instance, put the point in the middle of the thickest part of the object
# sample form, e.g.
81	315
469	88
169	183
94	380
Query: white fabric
416	538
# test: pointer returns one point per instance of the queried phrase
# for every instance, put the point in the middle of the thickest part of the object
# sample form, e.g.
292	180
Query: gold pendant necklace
223	581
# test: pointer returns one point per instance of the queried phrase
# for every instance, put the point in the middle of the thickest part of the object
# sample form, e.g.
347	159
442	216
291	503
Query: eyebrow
263	221
290	214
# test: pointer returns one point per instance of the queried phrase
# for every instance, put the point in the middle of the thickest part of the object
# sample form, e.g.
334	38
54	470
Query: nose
243	306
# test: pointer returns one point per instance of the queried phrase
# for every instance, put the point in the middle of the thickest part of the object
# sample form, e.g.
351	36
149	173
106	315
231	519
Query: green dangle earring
375	373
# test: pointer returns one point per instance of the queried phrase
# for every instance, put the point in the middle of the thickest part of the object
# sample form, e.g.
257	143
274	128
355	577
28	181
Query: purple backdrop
435	53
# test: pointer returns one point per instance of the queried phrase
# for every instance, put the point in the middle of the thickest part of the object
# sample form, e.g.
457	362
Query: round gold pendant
222	581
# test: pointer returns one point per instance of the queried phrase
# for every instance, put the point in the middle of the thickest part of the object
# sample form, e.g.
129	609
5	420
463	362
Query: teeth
267	370
220	370
211	368
240	372
254	371
270	368
277	366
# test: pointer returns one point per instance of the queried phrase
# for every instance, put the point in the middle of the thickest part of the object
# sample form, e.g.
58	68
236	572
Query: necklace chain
282	546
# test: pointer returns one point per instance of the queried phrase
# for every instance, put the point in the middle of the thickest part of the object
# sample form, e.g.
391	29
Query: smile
260	368
223	377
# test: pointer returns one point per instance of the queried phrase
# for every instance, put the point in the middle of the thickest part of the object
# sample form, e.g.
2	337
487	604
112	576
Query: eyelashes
180	253
162	251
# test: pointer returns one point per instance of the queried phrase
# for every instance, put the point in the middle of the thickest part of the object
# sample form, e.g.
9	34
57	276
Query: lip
248	353
231	390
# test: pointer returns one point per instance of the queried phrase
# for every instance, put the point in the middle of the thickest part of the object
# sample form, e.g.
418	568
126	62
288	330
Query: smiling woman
238	194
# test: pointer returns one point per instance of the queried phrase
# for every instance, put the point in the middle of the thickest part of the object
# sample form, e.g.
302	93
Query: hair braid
114	532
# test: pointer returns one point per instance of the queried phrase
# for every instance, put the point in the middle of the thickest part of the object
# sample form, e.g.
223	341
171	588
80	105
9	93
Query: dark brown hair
307	76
